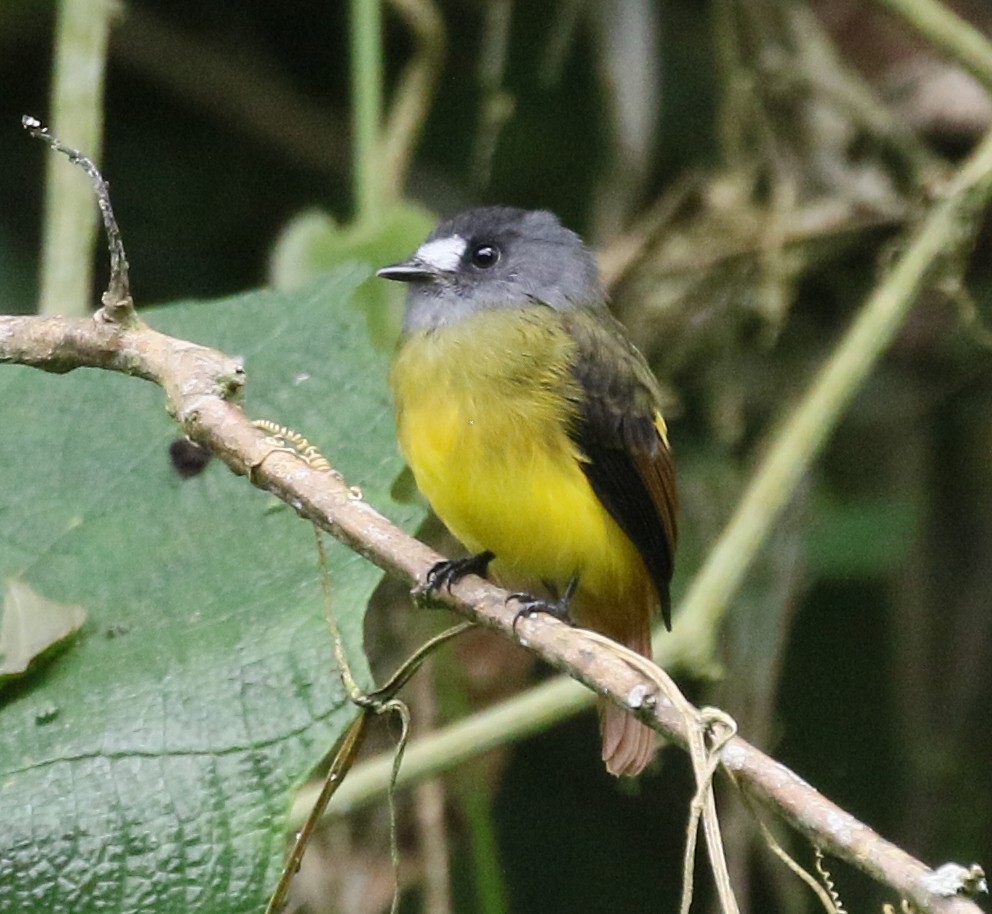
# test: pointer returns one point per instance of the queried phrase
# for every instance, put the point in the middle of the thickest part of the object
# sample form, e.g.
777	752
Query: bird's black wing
622	434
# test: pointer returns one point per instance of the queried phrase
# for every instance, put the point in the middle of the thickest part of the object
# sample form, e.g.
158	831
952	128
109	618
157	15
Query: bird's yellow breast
483	409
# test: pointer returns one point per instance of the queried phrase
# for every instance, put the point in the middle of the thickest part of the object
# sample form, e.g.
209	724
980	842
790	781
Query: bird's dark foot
558	607
450	572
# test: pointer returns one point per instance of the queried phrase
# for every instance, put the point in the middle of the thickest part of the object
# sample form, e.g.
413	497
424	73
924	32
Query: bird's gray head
496	257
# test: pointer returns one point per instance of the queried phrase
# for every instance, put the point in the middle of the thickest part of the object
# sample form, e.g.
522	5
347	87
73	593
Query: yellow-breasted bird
533	427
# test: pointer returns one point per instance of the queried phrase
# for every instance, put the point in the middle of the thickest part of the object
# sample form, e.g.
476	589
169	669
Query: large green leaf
149	765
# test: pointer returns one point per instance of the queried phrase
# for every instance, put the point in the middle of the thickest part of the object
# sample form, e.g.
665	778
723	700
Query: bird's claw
559	607
449	572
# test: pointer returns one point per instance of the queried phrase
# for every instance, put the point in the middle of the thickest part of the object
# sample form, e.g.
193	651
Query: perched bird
533	427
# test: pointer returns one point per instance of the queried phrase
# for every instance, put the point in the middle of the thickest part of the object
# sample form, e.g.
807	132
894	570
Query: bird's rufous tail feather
628	745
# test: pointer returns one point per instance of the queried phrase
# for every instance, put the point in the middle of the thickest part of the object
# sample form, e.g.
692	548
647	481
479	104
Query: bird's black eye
485	256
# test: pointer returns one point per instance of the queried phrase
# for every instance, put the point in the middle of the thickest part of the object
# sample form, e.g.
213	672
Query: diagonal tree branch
200	383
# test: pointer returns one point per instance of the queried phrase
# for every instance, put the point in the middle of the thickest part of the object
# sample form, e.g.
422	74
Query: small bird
533	427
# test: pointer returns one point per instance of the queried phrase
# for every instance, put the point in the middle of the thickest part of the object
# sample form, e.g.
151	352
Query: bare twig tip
118	306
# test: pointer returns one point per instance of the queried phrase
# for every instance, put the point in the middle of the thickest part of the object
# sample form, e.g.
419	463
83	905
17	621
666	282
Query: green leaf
312	243
151	767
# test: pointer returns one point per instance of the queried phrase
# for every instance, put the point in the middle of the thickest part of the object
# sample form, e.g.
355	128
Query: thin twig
403	674
399	710
117	299
382	701
79	63
344	756
792	864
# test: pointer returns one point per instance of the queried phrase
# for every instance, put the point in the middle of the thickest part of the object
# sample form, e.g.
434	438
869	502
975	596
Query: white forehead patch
443	253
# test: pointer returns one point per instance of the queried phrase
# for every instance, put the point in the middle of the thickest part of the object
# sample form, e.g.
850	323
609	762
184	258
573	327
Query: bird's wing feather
622	434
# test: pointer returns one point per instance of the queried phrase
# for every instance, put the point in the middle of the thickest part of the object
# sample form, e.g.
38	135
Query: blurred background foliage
747	170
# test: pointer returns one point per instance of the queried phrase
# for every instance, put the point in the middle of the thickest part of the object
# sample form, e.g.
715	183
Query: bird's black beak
409	271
